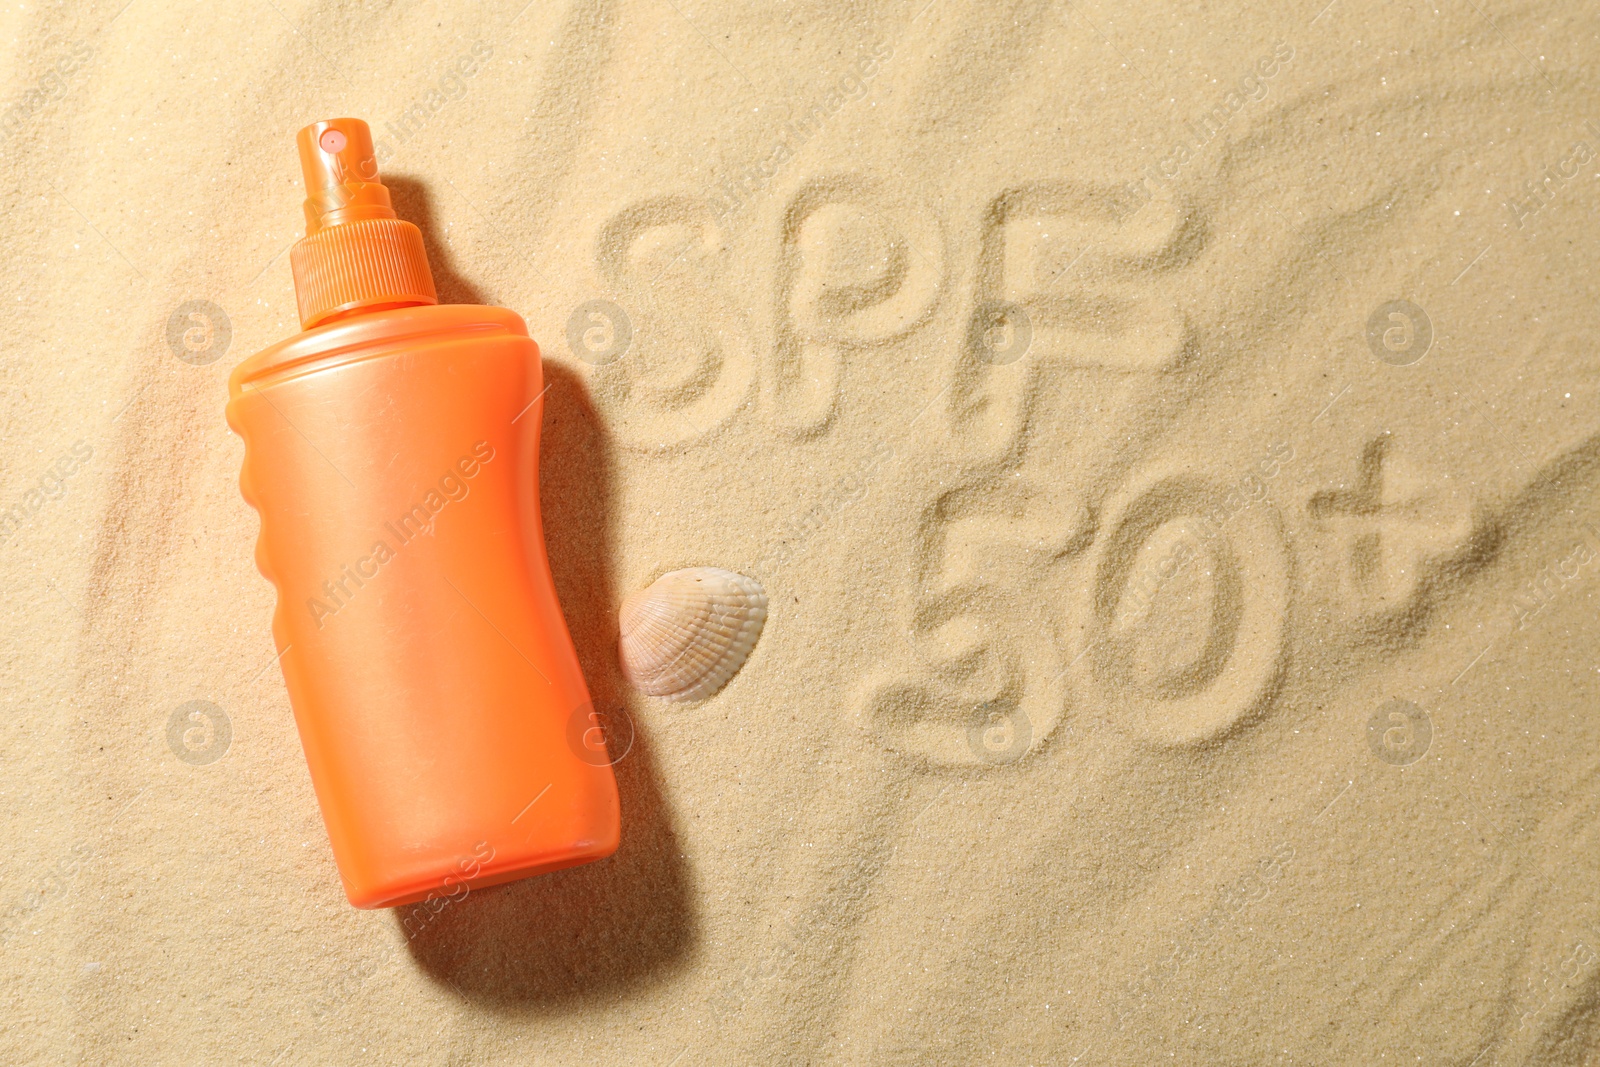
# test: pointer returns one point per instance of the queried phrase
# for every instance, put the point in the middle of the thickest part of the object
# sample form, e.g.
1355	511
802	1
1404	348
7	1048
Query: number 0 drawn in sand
1182	619
691	364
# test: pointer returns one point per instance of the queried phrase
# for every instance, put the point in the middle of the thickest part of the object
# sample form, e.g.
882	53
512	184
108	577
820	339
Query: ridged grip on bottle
365	263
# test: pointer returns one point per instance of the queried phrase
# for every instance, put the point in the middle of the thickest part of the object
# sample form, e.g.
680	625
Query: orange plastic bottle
391	450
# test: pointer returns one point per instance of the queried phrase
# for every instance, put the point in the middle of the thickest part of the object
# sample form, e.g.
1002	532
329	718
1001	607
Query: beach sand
1167	436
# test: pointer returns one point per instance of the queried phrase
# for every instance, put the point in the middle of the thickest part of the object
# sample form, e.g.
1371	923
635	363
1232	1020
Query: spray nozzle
341	174
356	255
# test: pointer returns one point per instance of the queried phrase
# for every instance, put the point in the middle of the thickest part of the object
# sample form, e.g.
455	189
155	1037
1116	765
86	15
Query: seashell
689	631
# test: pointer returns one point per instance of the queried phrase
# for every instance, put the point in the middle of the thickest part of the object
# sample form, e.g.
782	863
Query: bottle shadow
560	942
414	203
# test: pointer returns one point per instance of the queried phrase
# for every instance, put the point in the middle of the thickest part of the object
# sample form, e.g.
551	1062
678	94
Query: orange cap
356	255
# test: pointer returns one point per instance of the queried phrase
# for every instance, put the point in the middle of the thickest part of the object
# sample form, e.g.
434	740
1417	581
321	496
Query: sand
1168	436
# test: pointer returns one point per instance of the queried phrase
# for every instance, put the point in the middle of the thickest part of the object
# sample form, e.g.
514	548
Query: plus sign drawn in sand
1395	534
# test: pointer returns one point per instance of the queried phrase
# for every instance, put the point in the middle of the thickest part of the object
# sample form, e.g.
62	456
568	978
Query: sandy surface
1168	435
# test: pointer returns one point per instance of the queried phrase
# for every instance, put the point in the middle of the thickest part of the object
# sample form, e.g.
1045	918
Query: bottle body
393	458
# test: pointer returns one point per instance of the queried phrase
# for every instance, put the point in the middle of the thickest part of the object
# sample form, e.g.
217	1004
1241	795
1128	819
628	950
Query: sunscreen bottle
391	449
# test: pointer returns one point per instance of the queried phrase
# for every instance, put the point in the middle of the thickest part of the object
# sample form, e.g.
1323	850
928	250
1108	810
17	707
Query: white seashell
689	631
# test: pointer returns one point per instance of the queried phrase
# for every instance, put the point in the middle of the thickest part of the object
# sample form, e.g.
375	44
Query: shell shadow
562	942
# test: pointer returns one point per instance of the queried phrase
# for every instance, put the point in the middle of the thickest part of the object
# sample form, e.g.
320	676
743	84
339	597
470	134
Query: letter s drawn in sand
690	364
